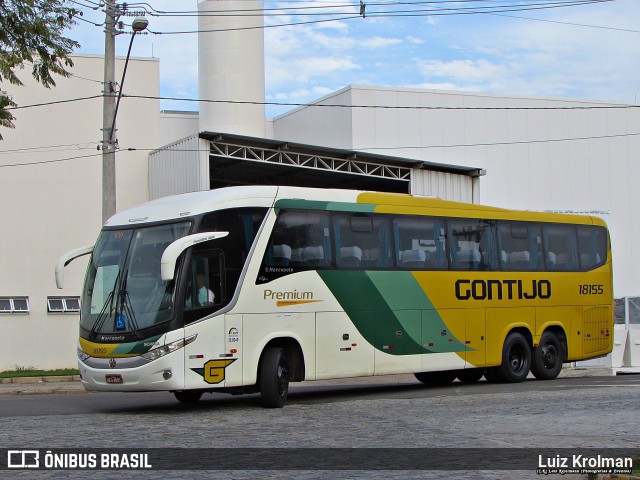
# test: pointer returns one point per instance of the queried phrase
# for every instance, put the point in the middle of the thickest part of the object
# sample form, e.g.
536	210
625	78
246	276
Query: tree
32	33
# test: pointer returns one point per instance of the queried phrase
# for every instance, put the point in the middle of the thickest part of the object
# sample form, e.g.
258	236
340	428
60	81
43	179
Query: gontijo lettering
502	289
292	295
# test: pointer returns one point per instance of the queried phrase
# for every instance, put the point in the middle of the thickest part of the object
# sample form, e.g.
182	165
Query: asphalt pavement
71	383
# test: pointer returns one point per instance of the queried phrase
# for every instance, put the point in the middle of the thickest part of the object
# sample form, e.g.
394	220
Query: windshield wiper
125	305
102	316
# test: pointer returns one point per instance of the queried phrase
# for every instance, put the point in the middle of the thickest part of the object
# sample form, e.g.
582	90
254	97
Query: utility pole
108	114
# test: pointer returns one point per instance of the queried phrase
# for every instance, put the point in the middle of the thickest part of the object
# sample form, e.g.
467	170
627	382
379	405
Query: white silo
231	66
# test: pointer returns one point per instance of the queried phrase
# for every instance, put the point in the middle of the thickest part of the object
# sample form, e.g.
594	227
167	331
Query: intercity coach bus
244	289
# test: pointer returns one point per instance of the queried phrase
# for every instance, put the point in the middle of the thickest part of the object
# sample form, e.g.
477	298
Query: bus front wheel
274	378
546	361
187	396
516	359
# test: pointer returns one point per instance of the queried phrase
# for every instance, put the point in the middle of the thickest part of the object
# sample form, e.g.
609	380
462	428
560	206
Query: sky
587	51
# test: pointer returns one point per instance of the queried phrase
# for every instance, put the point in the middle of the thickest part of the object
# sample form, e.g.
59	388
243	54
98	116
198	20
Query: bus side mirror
66	259
173	251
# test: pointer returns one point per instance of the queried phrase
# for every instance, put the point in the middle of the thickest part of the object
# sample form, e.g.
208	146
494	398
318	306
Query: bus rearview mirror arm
173	251
66	259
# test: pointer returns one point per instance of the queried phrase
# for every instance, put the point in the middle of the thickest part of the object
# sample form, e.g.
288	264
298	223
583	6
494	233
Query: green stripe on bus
321	205
391	311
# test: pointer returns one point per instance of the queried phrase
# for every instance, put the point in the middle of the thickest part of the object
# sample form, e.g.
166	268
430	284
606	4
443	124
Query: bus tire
274	378
470	375
546	358
436	378
187	396
516	359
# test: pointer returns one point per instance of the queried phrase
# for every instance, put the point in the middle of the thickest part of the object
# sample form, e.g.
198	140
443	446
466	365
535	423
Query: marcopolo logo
502	289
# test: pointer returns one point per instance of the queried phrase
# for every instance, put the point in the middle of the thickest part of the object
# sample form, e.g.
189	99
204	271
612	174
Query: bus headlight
156	353
81	355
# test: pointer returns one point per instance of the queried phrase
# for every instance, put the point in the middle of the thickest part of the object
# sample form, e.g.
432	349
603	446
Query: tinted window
472	245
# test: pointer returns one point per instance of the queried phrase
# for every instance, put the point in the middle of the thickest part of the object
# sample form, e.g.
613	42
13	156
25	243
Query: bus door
204	294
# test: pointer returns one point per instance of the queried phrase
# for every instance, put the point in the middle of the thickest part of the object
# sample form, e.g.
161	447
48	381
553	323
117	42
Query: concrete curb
40	379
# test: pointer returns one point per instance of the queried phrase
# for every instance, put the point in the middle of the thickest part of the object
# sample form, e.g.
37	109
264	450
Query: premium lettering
502	289
291	295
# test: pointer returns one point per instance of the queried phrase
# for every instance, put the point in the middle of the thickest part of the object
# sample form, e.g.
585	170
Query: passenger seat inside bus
350	256
313	256
518	260
413	258
281	255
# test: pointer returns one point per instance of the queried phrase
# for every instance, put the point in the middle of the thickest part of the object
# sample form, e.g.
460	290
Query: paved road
598	412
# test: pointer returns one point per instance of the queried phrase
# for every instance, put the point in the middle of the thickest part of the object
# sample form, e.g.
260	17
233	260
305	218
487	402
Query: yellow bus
245	289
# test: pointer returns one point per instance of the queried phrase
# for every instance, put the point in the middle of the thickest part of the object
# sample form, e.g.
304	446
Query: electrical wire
364	149
336	105
50	148
49	161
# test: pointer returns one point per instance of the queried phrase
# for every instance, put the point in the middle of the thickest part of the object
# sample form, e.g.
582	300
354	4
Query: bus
246	289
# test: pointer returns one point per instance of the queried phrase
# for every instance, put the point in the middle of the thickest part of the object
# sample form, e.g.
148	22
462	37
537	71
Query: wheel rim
283	378
517	359
549	356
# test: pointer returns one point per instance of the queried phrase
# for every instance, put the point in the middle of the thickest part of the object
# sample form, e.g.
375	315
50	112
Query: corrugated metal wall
175	168
448	186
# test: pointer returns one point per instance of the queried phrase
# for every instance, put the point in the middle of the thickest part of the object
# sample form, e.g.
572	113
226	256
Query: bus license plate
114	378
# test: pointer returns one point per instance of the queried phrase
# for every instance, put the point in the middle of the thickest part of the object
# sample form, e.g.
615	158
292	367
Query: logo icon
23	459
112	362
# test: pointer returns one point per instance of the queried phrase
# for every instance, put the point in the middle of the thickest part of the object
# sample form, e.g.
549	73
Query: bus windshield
123	290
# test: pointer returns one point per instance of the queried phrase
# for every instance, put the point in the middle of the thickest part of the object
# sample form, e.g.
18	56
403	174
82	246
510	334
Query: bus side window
420	243
561	249
472	245
300	239
361	241
519	246
204	284
592	246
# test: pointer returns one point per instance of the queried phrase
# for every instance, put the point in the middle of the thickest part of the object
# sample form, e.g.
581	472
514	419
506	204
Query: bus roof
195	203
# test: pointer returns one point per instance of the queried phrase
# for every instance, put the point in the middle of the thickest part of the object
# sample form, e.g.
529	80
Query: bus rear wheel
274	378
187	396
547	358
436	378
516	359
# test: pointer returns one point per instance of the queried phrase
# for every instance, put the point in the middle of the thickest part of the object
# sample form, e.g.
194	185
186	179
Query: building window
63	304
14	305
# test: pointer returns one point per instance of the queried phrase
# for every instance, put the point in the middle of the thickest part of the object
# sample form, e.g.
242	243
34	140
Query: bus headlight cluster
81	355
159	352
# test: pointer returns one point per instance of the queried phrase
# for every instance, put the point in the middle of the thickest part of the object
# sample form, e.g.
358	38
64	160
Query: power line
389	107
566	23
356	6
49	148
400	147
49	161
337	105
459	145
515	142
54	102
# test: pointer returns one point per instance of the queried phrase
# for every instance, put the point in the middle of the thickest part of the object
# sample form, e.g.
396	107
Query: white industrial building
509	151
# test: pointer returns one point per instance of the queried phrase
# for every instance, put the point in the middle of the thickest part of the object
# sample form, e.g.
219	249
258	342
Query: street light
139	24
110	111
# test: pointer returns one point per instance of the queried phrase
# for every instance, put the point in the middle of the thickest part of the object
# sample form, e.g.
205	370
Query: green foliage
32	32
32	372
